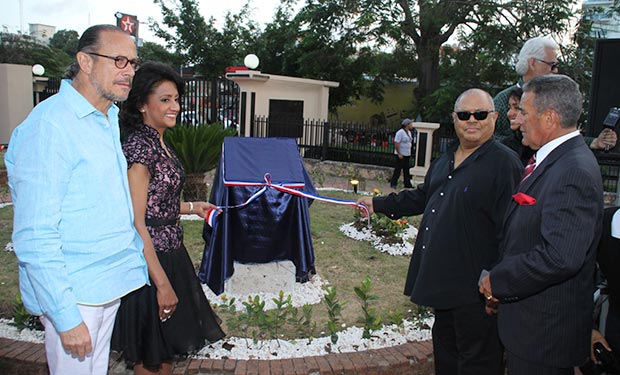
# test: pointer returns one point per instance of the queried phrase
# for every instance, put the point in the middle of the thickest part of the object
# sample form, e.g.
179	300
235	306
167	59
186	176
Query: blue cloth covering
275	227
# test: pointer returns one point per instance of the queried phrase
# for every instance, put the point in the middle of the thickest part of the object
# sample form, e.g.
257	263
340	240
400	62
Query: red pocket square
524	199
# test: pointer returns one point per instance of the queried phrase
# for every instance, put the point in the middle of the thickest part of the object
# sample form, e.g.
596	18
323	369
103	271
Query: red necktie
529	168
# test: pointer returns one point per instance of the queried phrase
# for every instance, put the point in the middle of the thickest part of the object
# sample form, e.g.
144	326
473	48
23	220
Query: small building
286	101
605	22
42	33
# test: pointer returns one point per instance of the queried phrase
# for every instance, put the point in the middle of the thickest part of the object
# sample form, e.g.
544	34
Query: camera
609	363
611	120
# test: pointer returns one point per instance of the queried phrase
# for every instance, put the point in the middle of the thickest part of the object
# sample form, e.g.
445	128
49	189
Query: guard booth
286	101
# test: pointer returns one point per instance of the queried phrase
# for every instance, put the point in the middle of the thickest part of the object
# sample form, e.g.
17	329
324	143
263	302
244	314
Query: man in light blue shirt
78	250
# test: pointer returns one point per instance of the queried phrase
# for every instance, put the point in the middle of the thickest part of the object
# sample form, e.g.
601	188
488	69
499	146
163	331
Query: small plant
277	317
334	309
304	325
255	317
383	226
371	320
22	318
420	313
395	317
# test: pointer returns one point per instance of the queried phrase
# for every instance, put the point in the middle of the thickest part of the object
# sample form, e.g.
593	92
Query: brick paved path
23	358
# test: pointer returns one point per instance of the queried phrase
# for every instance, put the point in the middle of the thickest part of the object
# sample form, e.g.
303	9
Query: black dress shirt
461	228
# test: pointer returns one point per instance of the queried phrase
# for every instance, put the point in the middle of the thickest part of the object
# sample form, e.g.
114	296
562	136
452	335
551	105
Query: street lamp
38	83
354	182
38	70
251	61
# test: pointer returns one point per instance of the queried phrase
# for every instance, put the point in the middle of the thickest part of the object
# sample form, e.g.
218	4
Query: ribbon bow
213	213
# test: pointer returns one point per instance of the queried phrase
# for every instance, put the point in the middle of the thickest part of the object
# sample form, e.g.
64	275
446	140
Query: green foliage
420	313
382	226
371	320
23	50
305	326
198	147
262	324
65	40
199	42
395	317
255	318
150	51
334	309
22	318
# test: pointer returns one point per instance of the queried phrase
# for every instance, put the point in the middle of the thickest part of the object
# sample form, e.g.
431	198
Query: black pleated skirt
140	337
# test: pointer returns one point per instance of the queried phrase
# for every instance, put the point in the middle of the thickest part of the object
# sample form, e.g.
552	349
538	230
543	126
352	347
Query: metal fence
346	141
201	96
610	170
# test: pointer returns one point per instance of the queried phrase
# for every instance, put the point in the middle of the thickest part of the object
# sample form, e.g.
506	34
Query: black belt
161	222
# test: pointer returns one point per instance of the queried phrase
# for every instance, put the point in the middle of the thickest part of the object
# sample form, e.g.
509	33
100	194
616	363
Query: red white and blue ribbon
213	213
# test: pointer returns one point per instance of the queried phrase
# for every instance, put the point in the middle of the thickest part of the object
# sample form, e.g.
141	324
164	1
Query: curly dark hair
517	92
150	75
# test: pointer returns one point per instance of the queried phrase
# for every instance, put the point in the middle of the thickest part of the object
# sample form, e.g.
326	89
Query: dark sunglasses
478	115
552	64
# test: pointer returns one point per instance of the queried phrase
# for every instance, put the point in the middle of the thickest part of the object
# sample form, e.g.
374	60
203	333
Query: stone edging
25	358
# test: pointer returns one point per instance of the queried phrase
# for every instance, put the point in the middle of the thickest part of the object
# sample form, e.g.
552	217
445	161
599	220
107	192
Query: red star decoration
128	24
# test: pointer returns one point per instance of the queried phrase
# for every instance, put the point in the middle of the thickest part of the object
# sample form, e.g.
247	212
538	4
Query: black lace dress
138	334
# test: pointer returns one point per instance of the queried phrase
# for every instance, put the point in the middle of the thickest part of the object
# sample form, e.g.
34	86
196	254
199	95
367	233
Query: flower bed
399	244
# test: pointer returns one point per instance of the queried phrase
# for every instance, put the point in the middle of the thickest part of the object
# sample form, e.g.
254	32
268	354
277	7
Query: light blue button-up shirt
73	227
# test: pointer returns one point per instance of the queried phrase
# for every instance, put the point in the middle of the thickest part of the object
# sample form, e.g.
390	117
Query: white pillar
424	147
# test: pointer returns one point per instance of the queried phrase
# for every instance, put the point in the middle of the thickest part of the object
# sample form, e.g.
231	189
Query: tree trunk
195	188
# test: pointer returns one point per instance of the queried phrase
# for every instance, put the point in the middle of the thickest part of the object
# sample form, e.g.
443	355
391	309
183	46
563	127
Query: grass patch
341	261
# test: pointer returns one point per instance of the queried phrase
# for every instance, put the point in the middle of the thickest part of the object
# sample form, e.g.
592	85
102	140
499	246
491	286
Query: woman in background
515	141
171	317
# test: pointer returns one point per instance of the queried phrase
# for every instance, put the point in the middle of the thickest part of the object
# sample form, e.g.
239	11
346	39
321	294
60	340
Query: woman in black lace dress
172	316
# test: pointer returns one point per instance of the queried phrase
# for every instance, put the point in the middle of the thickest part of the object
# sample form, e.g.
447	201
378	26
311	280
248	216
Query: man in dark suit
544	281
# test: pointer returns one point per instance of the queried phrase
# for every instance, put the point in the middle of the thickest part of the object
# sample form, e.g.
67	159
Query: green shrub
198	147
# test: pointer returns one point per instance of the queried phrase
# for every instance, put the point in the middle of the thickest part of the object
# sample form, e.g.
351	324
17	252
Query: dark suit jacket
545	278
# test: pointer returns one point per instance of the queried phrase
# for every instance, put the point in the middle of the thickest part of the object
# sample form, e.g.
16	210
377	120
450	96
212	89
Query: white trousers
100	323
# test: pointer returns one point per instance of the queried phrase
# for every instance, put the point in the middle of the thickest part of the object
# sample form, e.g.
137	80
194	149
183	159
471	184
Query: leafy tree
199	42
20	49
317	43
65	40
150	51
424	26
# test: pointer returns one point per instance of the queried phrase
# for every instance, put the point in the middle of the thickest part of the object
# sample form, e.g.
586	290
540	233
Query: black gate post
325	140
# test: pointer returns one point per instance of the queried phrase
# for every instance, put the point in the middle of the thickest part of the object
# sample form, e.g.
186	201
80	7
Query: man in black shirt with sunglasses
463	198
539	56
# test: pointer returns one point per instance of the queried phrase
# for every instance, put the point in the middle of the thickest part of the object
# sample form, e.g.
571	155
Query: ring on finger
488	298
167	311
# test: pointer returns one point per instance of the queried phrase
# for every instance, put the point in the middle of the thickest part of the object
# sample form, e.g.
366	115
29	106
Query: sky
79	14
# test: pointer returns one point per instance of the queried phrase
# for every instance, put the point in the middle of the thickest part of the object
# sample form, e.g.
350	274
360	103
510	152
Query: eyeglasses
120	61
478	115
552	64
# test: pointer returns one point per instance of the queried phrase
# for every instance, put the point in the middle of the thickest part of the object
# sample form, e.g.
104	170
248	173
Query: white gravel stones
365	234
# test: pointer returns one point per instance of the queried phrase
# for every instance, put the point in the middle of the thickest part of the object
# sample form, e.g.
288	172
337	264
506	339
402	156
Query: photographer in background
606	342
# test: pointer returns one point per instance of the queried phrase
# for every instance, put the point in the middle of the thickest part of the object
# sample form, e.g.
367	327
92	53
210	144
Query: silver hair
559	93
536	48
471	91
